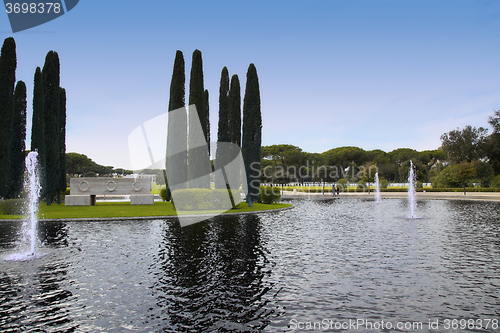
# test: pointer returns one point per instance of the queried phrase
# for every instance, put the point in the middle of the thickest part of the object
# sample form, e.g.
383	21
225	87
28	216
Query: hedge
203	199
12	207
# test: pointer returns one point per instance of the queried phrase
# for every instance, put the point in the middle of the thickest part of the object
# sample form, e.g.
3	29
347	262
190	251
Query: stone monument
83	191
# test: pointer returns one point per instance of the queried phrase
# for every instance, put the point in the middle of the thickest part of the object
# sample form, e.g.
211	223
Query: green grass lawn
124	209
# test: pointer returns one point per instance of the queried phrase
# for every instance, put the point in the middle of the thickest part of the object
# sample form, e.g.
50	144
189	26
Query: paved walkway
482	196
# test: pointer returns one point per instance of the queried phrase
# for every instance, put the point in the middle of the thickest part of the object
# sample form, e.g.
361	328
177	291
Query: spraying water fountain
377	189
32	188
411	191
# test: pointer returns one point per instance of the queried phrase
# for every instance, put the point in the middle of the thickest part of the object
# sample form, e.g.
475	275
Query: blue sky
372	74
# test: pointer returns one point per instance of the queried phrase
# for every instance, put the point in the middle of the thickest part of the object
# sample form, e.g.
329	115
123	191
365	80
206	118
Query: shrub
343	182
361	185
203	199
165	195
269	194
383	183
12	207
496	181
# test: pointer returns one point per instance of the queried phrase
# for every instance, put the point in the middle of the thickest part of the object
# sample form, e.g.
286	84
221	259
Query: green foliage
401	155
383	183
177	130
38	123
62	139
177	84
269	194
50	73
8	64
198	161
493	142
207	119
252	133
343	182
12	207
165	195
342	156
235	110
223	134
203	199
18	145
496	181
80	164
367	173
196	90
464	173
467	145
446	178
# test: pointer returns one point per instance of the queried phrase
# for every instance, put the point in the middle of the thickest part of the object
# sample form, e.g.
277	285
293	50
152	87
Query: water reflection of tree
211	276
10	233
53	234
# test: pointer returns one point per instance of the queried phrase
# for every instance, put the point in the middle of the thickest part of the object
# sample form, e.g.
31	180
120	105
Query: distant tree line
79	165
288	163
467	156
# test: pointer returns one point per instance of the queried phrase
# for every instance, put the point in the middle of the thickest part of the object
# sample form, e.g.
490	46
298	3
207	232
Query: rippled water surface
323	262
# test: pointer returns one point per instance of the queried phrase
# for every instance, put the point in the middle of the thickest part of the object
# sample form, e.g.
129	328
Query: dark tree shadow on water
212	276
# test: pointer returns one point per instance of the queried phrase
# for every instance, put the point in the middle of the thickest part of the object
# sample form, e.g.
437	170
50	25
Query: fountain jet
377	189
32	186
411	190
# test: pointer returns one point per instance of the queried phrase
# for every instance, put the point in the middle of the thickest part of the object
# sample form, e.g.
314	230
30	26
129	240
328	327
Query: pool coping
470	196
131	218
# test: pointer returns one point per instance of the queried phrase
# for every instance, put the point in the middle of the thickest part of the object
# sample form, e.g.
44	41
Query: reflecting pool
323	263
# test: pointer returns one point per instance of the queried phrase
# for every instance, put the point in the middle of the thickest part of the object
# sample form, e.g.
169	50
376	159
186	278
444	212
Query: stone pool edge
477	196
131	218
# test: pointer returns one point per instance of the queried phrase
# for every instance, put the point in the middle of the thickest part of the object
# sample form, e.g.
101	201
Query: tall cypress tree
198	160
207	120
50	75
176	164
223	133
235	110
18	143
8	64
62	140
38	123
252	134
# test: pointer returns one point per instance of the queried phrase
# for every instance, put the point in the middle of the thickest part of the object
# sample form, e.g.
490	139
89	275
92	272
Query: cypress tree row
252	134
38	123
223	133
198	160
8	64
50	75
18	143
175	165
235	110
62	142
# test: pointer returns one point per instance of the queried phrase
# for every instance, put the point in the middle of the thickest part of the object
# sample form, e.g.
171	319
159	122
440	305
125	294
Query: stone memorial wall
83	191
